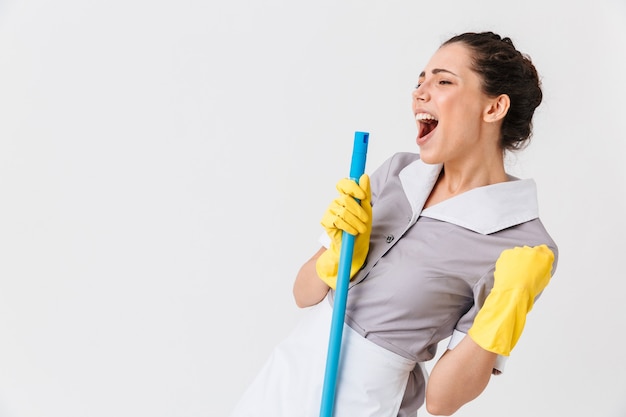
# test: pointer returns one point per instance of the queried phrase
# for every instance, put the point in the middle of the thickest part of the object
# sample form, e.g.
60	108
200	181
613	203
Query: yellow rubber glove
346	214
521	274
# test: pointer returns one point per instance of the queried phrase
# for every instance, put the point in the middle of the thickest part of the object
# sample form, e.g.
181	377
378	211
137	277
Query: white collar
483	210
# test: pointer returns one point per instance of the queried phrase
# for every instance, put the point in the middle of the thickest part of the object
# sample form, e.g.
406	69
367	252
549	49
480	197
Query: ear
497	108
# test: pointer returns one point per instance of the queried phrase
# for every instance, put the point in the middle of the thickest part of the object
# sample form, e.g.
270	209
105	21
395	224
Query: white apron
370	381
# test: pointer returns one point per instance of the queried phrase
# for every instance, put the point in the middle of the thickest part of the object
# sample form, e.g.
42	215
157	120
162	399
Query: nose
420	92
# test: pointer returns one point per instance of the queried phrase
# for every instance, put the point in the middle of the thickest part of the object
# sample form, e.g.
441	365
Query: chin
428	157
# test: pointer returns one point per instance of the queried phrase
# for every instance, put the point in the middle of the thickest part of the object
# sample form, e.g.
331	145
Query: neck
457	178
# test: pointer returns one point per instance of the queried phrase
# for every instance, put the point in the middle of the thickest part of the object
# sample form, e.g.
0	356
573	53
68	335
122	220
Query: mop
357	168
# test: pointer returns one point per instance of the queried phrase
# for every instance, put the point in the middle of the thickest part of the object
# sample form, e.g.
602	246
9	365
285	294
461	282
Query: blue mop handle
357	168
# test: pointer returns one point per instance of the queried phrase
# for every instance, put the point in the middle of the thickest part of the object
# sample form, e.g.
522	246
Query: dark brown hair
505	70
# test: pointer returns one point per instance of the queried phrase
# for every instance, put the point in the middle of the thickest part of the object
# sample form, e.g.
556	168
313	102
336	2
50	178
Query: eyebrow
437	71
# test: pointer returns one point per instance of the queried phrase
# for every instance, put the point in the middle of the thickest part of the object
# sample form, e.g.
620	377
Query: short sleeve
481	291
456	338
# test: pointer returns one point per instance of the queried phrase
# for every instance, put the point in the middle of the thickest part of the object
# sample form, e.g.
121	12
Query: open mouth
427	123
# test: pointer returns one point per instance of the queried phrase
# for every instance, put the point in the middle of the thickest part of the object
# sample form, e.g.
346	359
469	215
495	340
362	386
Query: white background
164	166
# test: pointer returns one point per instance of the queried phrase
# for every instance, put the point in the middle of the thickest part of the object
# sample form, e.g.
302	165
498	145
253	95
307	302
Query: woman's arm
309	289
461	374
458	377
351	212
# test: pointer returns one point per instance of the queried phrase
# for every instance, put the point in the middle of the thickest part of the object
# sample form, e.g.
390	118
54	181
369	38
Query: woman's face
448	105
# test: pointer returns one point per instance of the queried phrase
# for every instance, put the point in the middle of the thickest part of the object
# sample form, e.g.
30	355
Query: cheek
467	112
461	125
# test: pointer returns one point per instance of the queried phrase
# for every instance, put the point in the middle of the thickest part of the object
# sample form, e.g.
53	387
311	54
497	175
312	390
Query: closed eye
440	82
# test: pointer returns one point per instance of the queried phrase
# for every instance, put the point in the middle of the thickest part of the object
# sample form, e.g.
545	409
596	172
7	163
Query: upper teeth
424	116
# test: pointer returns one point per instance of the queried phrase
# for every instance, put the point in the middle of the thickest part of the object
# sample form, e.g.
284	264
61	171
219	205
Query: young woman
447	244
